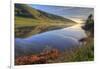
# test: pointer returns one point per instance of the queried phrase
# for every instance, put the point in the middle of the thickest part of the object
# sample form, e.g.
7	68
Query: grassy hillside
30	21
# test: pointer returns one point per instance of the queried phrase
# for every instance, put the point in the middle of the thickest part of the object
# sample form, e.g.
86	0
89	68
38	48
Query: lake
60	39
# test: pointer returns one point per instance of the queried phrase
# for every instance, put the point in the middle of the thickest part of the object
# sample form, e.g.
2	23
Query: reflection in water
60	39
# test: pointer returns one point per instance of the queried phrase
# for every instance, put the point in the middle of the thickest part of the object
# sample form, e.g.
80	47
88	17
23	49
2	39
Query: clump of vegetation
89	25
41	58
83	53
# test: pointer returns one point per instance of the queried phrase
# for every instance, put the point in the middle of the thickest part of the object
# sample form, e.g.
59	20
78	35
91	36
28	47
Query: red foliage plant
38	59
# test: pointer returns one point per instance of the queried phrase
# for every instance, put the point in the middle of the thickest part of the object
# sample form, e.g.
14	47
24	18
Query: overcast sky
75	13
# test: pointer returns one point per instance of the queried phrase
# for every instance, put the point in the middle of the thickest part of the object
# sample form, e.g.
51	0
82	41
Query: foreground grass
83	53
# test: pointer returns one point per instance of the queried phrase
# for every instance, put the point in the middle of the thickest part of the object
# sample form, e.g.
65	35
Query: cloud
66	11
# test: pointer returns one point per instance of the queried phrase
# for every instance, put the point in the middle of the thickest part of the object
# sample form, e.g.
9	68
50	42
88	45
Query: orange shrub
38	59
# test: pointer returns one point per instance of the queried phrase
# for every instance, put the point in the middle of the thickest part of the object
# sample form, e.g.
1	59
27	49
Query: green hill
30	21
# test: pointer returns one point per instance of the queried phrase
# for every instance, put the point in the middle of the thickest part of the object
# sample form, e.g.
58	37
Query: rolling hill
30	21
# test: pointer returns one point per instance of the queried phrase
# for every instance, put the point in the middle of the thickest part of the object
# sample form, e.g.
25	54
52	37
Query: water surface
60	39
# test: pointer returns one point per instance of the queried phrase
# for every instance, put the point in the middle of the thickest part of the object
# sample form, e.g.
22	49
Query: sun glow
78	20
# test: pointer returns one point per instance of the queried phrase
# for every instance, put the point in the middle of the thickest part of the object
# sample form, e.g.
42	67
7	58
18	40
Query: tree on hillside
89	24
